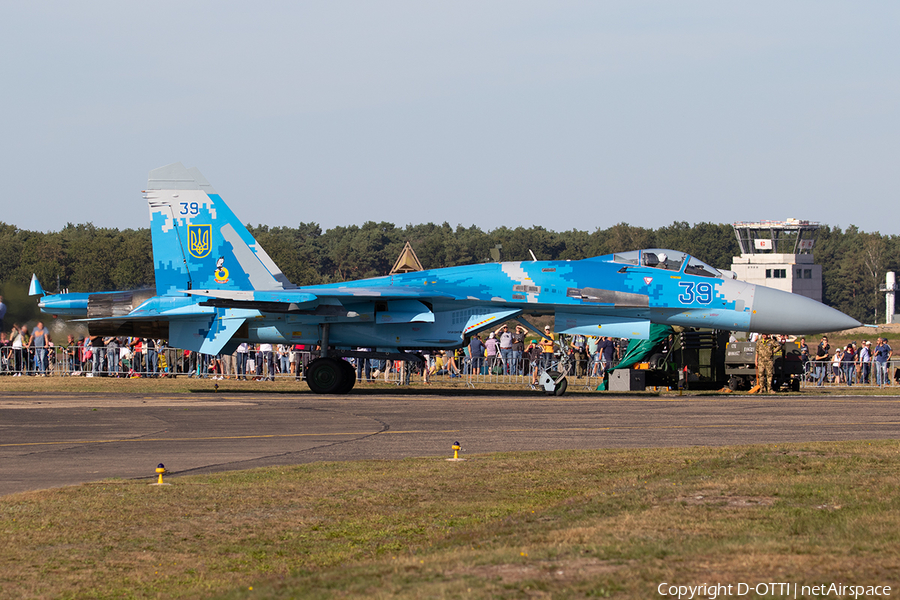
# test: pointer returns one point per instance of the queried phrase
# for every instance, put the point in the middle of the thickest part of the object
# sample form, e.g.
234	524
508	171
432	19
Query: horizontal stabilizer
207	334
182	313
620	327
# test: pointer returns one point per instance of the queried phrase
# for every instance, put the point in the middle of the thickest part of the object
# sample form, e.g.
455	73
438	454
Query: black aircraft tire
657	361
349	375
561	387
325	376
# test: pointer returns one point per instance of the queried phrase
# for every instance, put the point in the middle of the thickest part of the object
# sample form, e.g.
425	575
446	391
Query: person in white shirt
269	359
242	350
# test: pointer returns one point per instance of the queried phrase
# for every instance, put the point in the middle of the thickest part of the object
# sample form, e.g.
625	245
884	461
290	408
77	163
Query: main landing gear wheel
349	374
330	376
548	381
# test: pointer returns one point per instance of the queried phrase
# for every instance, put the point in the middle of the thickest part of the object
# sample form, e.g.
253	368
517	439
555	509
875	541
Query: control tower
778	254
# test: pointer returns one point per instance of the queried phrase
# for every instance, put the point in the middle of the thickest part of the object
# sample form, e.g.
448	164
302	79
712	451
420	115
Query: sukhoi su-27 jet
216	287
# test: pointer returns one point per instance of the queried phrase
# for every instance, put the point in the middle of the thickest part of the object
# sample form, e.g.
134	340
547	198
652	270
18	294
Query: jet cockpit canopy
670	260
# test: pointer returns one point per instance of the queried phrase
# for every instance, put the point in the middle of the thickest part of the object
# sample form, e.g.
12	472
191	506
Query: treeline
88	258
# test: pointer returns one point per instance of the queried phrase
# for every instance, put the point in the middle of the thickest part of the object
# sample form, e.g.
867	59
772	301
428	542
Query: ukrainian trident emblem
199	240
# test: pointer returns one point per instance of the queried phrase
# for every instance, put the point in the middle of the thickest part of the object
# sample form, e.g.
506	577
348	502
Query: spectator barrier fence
61	361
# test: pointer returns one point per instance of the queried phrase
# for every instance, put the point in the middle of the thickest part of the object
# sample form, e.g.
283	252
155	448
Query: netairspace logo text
711	591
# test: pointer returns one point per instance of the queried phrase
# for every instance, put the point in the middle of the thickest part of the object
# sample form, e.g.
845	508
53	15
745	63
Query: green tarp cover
639	350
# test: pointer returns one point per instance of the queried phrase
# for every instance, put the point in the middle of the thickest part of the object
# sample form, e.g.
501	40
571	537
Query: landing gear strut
328	374
331	374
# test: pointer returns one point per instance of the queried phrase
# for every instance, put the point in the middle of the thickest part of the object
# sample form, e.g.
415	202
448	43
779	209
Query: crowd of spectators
850	364
24	351
34	353
505	352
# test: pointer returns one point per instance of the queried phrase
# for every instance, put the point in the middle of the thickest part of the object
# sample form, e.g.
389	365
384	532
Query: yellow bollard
160	469
456	449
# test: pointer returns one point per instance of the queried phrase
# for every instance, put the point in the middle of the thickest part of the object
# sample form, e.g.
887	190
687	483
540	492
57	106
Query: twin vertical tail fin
198	242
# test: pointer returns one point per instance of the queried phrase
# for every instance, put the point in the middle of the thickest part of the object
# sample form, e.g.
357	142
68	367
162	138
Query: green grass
581	524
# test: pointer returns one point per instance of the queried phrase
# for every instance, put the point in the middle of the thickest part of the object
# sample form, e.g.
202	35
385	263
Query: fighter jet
216	287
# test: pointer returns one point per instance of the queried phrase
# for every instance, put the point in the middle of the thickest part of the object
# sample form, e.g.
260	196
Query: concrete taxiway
49	440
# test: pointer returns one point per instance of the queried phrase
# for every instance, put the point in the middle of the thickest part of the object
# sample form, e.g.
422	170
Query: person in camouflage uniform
765	362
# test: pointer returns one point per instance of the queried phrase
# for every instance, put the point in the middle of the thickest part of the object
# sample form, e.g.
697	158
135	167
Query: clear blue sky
570	115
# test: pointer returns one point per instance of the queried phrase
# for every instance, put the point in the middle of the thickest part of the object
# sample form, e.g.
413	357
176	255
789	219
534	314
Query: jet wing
404	303
309	298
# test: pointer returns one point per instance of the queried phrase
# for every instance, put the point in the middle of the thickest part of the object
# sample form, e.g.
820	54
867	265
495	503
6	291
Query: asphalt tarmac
50	440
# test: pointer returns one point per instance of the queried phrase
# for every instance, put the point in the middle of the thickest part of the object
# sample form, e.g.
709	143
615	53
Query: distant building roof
407	261
792	236
787	224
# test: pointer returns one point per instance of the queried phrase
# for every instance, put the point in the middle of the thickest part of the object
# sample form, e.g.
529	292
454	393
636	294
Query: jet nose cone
775	311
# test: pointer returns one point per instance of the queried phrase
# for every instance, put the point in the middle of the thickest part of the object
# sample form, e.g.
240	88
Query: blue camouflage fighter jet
216	287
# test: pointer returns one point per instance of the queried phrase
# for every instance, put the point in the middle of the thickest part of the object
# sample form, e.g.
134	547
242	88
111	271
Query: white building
778	254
